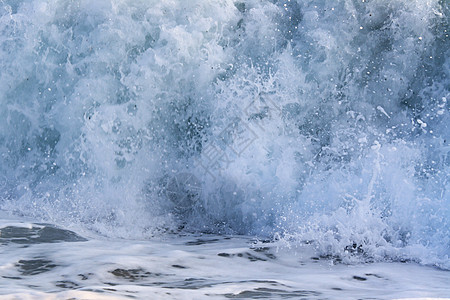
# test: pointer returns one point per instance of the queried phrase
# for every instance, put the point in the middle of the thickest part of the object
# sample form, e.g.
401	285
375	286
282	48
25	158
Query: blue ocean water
319	122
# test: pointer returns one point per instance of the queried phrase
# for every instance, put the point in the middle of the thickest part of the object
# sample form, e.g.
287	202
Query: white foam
201	266
285	113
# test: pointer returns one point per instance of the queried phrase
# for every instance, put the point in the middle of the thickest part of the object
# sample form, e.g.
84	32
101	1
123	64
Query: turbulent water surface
320	123
41	261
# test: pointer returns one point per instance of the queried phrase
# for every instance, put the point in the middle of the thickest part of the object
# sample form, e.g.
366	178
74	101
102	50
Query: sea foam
316	121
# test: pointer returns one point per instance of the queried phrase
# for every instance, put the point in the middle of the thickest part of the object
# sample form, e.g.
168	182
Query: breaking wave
318	121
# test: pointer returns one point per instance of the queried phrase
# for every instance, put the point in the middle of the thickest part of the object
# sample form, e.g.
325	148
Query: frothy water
320	122
41	261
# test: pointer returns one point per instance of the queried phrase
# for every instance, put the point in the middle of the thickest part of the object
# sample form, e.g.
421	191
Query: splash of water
308	120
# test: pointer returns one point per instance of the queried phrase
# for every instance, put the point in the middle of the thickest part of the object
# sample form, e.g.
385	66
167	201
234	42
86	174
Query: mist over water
318	121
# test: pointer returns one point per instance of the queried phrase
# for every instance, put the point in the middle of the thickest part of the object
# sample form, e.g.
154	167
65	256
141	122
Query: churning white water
306	122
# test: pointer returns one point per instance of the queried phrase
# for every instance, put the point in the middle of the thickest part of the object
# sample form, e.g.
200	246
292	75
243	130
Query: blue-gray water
318	121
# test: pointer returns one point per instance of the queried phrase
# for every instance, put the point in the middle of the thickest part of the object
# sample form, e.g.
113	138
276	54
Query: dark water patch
32	286
225	254
93	290
270	255
334	258
134	274
267	293
179	267
12	277
111	283
359	278
265	251
354	249
35	266
373	275
260	249
247	255
191	284
85	276
250	256
66	284
187	284
199	242
200	283
37	235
